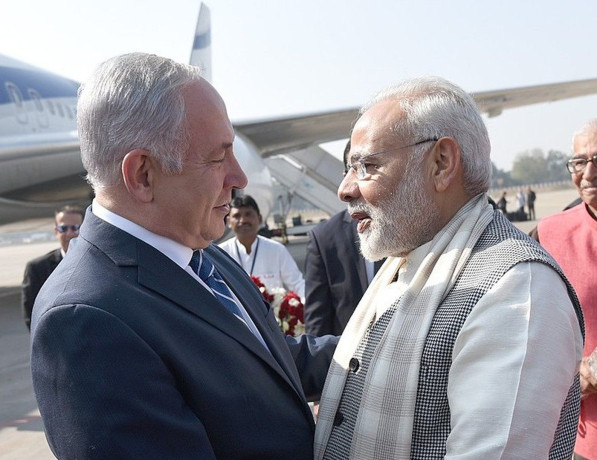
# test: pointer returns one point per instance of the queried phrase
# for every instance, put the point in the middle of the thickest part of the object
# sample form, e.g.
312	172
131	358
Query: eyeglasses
578	165
66	228
360	167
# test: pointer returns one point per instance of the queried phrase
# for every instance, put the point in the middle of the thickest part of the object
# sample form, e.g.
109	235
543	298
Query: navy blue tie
208	273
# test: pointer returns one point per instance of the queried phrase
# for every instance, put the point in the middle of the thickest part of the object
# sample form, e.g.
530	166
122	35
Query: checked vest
500	247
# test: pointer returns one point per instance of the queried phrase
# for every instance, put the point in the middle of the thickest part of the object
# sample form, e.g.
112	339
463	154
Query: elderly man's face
196	202
586	182
394	205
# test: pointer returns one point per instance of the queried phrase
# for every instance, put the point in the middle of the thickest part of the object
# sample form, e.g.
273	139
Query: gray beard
402	222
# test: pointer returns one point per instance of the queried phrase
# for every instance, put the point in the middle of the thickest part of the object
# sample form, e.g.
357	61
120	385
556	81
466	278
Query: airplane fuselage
40	162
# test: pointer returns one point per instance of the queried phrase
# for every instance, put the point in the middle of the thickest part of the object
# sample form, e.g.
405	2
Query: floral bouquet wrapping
287	306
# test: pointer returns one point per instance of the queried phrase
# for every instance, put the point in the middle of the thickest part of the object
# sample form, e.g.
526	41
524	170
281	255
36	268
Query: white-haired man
147	340
467	344
570	237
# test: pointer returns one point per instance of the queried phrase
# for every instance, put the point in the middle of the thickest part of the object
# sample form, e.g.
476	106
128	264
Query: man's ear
446	163
137	173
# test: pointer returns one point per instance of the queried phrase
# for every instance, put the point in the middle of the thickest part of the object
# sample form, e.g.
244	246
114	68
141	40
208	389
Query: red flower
287	306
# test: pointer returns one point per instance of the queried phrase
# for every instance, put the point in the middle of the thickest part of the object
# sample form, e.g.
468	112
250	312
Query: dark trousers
531	207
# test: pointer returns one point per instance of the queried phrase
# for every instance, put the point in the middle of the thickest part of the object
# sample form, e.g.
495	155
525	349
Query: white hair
133	101
590	127
433	107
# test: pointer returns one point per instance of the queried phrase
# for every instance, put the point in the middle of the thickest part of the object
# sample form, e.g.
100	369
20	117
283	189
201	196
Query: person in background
336	273
259	256
503	203
521	202
467	343
148	341
67	221
530	199
570	237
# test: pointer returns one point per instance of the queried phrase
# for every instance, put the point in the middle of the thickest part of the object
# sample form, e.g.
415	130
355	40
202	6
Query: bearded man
468	342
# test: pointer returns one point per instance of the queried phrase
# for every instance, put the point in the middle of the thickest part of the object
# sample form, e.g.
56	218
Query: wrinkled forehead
585	143
375	129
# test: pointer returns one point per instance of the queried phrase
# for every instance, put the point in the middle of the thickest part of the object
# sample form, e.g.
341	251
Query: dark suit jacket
133	358
37	272
335	275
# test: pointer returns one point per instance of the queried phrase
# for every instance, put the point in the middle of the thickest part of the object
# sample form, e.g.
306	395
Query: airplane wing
272	137
289	145
494	102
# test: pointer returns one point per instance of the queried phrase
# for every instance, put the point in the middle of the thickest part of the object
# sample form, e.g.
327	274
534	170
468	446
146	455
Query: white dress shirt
270	261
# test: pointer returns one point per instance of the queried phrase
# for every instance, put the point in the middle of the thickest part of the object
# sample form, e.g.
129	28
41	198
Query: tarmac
21	427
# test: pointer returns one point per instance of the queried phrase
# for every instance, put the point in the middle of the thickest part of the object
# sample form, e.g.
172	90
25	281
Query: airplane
41	169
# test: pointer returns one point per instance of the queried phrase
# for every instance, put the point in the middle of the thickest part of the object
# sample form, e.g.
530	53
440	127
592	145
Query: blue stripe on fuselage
202	41
46	84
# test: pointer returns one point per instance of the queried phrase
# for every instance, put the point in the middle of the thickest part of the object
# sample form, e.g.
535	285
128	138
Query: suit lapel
160	274
252	300
56	257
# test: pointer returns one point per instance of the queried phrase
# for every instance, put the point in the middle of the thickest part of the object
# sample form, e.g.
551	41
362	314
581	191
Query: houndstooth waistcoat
500	247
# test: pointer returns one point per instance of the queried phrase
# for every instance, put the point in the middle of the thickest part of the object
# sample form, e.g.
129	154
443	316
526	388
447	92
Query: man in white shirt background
264	258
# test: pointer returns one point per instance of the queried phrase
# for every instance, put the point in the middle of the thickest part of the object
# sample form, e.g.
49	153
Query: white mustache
359	207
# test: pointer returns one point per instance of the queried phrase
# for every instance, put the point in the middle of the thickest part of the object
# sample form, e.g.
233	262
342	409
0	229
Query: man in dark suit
336	274
67	221
148	341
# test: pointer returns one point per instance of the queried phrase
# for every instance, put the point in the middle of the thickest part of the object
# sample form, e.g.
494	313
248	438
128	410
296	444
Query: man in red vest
571	238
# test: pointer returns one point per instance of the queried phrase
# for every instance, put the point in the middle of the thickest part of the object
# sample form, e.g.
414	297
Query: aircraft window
51	107
42	115
60	109
15	94
69	113
17	97
36	100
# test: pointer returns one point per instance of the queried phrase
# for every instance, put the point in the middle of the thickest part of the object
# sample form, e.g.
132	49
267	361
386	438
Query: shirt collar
410	263
180	254
242	246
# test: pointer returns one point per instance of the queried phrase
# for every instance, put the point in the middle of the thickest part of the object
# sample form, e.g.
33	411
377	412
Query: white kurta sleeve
513	363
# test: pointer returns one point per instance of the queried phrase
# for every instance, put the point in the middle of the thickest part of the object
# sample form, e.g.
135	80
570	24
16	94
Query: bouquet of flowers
287	306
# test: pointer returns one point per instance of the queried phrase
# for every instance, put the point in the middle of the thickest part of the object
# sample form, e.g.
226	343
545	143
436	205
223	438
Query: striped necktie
208	273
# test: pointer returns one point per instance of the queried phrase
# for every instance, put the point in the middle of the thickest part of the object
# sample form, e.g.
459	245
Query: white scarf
394	368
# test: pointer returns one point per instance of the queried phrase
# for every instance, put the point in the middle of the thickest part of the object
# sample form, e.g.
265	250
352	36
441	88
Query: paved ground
21	430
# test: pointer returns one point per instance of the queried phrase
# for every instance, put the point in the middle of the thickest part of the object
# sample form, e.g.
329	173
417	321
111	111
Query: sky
278	58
